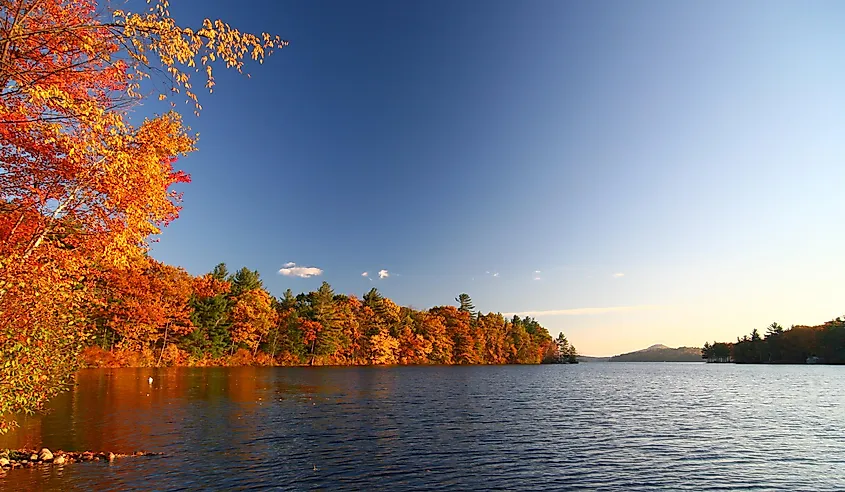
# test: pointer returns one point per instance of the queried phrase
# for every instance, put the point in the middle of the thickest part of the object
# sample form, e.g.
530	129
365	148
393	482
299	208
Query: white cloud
496	274
536	271
383	274
291	270
618	275
536	275
583	311
365	274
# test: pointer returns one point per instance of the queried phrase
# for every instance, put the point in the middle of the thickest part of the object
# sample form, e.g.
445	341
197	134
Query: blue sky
630	172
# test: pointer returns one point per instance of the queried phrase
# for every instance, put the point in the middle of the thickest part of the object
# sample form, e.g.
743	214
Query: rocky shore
30	458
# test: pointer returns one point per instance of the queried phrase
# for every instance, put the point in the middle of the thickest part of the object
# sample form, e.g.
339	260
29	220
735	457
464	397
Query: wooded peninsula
821	344
153	314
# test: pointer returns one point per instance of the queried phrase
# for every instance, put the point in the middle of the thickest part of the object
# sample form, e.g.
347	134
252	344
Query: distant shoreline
822	344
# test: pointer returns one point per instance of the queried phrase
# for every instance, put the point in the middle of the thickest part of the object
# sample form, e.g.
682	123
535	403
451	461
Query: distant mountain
661	353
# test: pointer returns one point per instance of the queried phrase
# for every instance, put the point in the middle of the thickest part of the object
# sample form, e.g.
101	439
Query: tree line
823	344
151	313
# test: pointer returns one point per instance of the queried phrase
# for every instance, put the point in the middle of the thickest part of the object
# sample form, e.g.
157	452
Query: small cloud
536	271
536	275
618	275
291	270
496	274
383	274
365	274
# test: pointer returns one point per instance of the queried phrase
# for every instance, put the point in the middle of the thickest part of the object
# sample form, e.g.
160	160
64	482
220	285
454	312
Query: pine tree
325	313
244	280
465	303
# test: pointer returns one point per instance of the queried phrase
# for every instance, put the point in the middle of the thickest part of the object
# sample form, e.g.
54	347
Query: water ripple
588	427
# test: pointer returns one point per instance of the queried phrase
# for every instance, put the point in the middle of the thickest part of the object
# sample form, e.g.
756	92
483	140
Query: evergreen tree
373	298
288	300
325	313
210	317
220	272
244	280
465	303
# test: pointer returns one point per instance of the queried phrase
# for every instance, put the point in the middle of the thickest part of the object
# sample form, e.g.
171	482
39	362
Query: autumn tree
458	329
350	336
414	347
80	184
252	317
383	348
529	341
146	304
493	336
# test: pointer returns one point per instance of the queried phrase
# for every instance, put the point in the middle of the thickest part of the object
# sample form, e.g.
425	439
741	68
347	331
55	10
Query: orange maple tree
79	184
146	304
252	318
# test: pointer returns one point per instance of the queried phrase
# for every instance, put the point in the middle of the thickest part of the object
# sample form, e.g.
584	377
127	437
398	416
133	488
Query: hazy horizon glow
631	173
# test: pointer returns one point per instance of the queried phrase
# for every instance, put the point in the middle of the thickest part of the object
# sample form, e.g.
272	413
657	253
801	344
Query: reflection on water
595	426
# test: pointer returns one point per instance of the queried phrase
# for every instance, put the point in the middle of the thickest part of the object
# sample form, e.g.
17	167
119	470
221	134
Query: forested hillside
149	313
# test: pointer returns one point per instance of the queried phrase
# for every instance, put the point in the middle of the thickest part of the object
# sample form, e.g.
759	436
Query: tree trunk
273	345
161	354
255	350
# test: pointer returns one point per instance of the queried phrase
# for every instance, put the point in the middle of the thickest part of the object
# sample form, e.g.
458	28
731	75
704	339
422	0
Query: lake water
599	426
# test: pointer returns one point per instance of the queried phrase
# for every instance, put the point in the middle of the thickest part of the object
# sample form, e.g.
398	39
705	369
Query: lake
597	426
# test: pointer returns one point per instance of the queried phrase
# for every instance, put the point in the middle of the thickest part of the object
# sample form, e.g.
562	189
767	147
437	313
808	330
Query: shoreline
12	459
96	358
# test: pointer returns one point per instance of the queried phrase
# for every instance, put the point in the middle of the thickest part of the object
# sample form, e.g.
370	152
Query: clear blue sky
678	165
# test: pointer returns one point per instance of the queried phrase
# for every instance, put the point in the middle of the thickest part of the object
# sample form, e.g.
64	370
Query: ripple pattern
601	426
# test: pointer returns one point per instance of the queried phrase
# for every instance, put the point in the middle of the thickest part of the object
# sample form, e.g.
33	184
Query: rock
4	461
4	453
46	455
59	460
33	457
111	457
87	456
